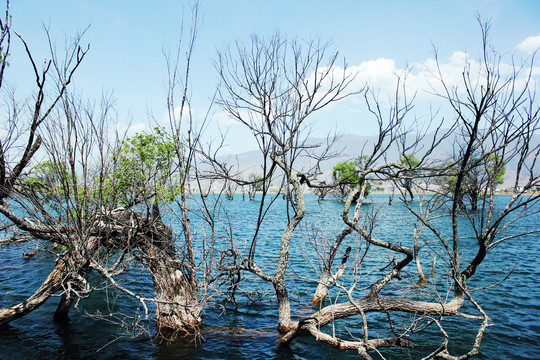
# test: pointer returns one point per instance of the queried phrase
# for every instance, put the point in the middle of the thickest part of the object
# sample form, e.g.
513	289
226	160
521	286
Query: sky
378	38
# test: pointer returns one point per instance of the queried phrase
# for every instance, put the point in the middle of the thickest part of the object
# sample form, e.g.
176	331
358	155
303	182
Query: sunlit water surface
248	332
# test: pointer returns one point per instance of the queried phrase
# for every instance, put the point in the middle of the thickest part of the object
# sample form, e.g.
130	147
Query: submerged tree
51	83
483	175
409	162
98	198
345	176
273	86
494	114
254	184
103	199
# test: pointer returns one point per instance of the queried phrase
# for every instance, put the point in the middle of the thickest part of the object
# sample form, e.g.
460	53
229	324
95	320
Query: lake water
248	332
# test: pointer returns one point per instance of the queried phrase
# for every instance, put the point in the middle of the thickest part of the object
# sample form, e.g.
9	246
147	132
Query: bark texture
176	294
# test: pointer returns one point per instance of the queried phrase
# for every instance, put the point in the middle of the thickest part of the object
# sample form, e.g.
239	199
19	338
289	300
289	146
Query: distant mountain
350	146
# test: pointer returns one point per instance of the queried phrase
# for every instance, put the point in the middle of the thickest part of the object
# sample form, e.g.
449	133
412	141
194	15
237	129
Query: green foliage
257	182
485	173
481	177
495	170
409	161
52	184
48	179
346	175
144	168
345	172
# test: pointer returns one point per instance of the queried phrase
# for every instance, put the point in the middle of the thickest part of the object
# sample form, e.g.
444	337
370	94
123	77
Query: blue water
248	331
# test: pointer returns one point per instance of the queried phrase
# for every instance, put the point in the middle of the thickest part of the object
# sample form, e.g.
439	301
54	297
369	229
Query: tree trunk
409	190
333	312
474	201
177	301
49	287
176	294
278	281
422	280
284	307
322	288
61	313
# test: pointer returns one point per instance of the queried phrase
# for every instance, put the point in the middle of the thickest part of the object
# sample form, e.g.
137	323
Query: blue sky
127	38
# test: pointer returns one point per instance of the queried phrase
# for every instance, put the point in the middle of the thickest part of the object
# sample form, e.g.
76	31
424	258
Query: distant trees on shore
97	201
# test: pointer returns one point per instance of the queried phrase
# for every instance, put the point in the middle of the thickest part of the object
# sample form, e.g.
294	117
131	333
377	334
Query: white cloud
174	114
379	72
222	118
530	44
424	78
129	130
381	76
451	72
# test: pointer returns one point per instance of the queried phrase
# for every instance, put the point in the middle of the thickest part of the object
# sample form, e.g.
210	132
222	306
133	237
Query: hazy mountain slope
350	146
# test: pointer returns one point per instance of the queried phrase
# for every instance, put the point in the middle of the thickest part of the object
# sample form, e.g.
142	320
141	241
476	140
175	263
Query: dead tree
494	115
46	98
374	163
272	86
75	199
497	115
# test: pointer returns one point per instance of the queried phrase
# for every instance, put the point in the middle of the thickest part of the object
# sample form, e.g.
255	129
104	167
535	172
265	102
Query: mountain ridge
350	146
